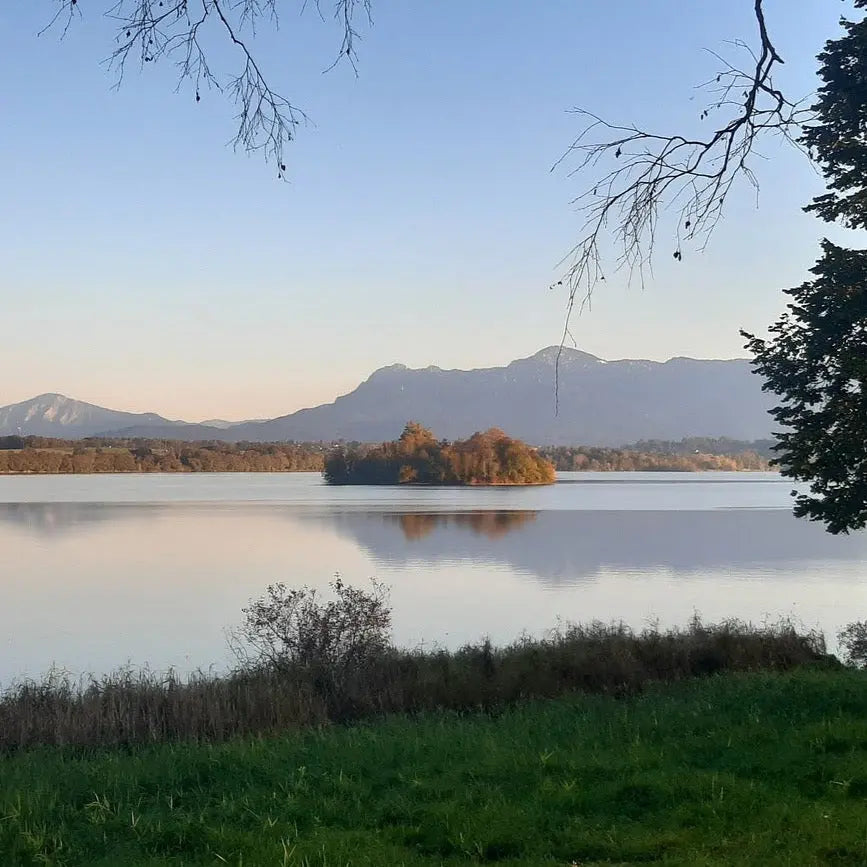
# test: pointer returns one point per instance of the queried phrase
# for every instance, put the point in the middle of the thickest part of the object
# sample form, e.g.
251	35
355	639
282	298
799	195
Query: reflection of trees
554	545
564	546
48	519
417	525
54	519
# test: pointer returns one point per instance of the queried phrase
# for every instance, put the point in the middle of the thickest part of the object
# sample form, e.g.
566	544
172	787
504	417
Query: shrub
853	641
289	627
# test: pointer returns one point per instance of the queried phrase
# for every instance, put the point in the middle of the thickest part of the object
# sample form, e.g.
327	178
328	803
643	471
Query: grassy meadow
736	768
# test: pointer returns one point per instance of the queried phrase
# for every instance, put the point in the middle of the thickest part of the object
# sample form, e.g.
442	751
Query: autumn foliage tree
417	457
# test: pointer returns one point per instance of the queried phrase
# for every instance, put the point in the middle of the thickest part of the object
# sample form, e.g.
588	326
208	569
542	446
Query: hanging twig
157	30
635	173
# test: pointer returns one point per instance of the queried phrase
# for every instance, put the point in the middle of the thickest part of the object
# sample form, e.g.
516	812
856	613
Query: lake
99	571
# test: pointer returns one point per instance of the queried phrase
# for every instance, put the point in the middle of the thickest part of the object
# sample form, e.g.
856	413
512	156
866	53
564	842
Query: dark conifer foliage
836	141
816	357
816	361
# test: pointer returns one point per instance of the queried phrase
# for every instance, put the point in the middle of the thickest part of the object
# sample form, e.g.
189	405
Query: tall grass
261	697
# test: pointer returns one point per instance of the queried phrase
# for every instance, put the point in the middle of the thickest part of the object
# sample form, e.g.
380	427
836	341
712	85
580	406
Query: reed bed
265	696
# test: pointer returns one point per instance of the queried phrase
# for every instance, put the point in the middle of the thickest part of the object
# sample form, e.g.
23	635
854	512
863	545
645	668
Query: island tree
417	457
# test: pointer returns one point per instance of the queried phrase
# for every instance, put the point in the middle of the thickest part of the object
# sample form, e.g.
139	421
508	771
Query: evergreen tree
816	358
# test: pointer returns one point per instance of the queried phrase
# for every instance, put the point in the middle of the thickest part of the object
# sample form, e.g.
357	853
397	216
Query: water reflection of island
493	525
556	546
564	546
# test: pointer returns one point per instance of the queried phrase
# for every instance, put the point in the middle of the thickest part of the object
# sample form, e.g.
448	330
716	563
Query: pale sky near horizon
145	266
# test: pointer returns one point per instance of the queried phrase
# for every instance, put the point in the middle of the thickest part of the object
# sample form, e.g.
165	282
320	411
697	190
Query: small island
418	457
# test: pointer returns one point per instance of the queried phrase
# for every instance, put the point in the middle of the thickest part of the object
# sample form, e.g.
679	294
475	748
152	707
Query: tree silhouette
816	359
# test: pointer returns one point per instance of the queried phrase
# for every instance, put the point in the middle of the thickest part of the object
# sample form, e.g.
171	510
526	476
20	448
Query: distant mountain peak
53	414
51	397
389	369
566	355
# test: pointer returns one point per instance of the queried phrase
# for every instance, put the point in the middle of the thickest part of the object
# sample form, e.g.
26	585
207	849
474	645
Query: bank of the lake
160	457
734	769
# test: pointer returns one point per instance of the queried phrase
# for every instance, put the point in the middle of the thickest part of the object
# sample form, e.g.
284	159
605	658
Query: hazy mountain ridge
58	415
600	402
606	403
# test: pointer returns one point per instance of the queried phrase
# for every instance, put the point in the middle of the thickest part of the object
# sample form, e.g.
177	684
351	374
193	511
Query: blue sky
146	266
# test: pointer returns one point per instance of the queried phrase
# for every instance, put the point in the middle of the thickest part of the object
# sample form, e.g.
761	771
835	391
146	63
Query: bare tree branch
159	30
345	11
636	173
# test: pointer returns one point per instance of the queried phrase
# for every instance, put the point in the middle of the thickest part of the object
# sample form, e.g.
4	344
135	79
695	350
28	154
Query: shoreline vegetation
419	458
329	745
306	660
32	455
289	691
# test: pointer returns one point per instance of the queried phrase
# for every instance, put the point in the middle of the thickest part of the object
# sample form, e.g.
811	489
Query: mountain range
55	415
596	402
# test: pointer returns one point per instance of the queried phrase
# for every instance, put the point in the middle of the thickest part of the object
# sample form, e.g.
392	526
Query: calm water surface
96	571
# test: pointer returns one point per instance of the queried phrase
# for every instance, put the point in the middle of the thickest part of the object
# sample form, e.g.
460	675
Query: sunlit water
97	571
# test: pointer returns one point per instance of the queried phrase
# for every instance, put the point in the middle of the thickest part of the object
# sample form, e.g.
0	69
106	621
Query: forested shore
42	455
39	455
578	458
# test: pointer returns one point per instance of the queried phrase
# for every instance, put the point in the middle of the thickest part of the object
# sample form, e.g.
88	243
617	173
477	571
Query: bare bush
289	627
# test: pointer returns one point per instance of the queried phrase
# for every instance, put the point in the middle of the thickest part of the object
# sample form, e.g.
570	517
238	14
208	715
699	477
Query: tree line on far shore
93	455
566	458
42	455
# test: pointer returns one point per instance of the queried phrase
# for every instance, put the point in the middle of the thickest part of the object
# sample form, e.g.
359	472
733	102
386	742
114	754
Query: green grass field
734	769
